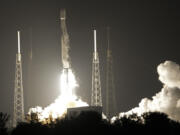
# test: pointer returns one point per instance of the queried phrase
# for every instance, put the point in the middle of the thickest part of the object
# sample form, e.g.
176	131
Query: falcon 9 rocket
64	41
65	46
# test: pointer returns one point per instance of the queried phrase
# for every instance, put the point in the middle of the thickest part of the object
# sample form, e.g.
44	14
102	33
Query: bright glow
67	99
67	83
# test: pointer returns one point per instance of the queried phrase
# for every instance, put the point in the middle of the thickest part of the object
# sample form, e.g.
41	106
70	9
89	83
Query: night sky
143	34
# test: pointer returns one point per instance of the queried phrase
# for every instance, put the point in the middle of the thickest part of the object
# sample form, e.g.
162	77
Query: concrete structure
74	112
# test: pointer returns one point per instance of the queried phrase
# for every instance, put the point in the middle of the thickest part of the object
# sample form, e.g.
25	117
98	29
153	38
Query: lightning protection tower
18	114
110	88
96	99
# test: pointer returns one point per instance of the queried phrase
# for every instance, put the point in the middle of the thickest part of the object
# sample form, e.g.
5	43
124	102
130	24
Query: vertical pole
108	37
95	45
18	33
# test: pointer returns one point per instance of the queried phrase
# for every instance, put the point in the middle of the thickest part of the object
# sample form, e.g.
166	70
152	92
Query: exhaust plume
67	98
58	109
65	42
168	99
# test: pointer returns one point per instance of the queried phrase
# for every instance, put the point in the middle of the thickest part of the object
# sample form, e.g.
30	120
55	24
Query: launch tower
18	114
96	99
110	89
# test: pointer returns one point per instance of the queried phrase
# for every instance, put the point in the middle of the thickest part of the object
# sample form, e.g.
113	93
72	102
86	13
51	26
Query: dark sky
143	34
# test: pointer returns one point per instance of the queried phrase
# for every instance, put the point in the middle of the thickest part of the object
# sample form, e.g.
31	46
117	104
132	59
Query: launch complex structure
111	107
96	99
18	114
96	96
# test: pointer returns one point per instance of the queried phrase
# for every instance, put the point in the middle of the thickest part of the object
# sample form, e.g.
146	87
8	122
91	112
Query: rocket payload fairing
64	41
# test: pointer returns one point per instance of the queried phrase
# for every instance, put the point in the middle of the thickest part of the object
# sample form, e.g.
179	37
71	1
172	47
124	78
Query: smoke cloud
65	51
58	108
168	99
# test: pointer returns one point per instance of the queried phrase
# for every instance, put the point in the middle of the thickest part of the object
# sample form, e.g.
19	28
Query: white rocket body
64	41
65	46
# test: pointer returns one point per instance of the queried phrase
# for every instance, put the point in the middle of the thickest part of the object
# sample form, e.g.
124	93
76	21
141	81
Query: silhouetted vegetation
149	123
92	123
3	122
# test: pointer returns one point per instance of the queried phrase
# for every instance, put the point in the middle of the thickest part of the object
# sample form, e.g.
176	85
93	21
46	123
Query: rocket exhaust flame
67	99
67	82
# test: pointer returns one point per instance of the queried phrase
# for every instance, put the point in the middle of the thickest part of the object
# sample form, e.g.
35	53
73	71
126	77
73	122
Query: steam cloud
168	99
58	109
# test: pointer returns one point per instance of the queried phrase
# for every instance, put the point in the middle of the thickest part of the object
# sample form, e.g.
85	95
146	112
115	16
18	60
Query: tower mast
110	88
18	114
96	99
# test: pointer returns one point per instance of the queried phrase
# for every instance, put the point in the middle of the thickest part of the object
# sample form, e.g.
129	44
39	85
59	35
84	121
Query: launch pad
68	84
74	112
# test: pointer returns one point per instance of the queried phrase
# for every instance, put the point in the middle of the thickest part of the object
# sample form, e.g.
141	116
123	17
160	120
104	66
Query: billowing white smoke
168	99
67	99
58	109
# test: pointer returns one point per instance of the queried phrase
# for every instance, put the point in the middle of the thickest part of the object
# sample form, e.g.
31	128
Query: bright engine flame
67	99
67	83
